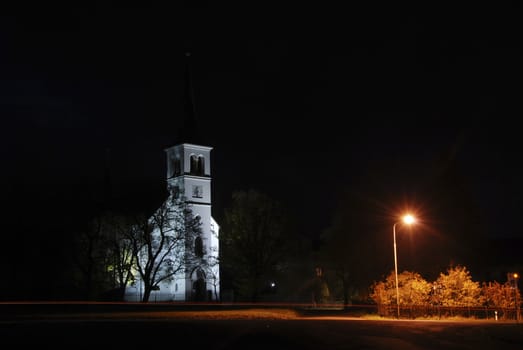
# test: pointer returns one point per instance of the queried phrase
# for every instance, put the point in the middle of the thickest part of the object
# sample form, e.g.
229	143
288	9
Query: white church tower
189	179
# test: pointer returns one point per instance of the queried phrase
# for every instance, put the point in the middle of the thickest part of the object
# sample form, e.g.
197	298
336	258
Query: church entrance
199	290
199	287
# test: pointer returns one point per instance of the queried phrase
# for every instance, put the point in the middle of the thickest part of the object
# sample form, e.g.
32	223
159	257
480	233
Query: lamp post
407	219
513	279
516	301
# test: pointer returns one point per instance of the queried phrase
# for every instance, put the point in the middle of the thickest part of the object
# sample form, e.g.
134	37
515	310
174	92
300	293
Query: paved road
172	329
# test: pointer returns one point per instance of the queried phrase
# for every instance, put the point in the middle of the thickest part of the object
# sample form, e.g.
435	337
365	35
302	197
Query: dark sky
403	106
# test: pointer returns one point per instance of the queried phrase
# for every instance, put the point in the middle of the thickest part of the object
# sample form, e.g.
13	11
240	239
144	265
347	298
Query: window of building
201	166
197	192
194	164
197	165
198	247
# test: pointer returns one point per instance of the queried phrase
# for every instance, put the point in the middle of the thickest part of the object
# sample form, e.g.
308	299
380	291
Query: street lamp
513	279
407	219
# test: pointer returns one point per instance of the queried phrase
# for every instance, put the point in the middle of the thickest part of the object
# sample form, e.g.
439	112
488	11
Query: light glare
409	219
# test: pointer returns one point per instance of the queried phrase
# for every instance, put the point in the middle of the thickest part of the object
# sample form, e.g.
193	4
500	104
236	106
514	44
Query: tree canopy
255	242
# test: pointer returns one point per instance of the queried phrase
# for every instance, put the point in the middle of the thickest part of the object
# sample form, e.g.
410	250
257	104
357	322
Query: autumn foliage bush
453	293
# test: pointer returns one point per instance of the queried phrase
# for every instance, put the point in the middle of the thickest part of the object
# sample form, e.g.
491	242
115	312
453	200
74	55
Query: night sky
400	107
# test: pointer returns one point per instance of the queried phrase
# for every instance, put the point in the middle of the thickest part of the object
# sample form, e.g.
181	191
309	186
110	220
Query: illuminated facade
189	178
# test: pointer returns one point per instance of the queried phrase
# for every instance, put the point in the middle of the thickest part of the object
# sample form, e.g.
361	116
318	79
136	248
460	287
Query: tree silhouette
90	256
255	243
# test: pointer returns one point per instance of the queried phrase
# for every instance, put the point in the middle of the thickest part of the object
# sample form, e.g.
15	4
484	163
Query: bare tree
160	244
210	263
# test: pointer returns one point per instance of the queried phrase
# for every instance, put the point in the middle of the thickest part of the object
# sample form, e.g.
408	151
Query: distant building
189	179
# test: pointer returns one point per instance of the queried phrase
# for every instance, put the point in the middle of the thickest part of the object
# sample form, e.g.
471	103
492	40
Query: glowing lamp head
515	275
409	219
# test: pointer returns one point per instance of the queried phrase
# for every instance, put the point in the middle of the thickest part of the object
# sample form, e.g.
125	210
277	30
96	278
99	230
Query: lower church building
188	178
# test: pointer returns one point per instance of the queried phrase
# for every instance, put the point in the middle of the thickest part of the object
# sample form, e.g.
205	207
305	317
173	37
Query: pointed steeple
108	184
188	132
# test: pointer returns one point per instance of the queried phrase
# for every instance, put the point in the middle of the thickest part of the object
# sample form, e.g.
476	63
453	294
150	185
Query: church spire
188	132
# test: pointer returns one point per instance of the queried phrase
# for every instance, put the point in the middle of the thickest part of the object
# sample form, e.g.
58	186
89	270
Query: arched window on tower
201	165
198	247
197	165
194	164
